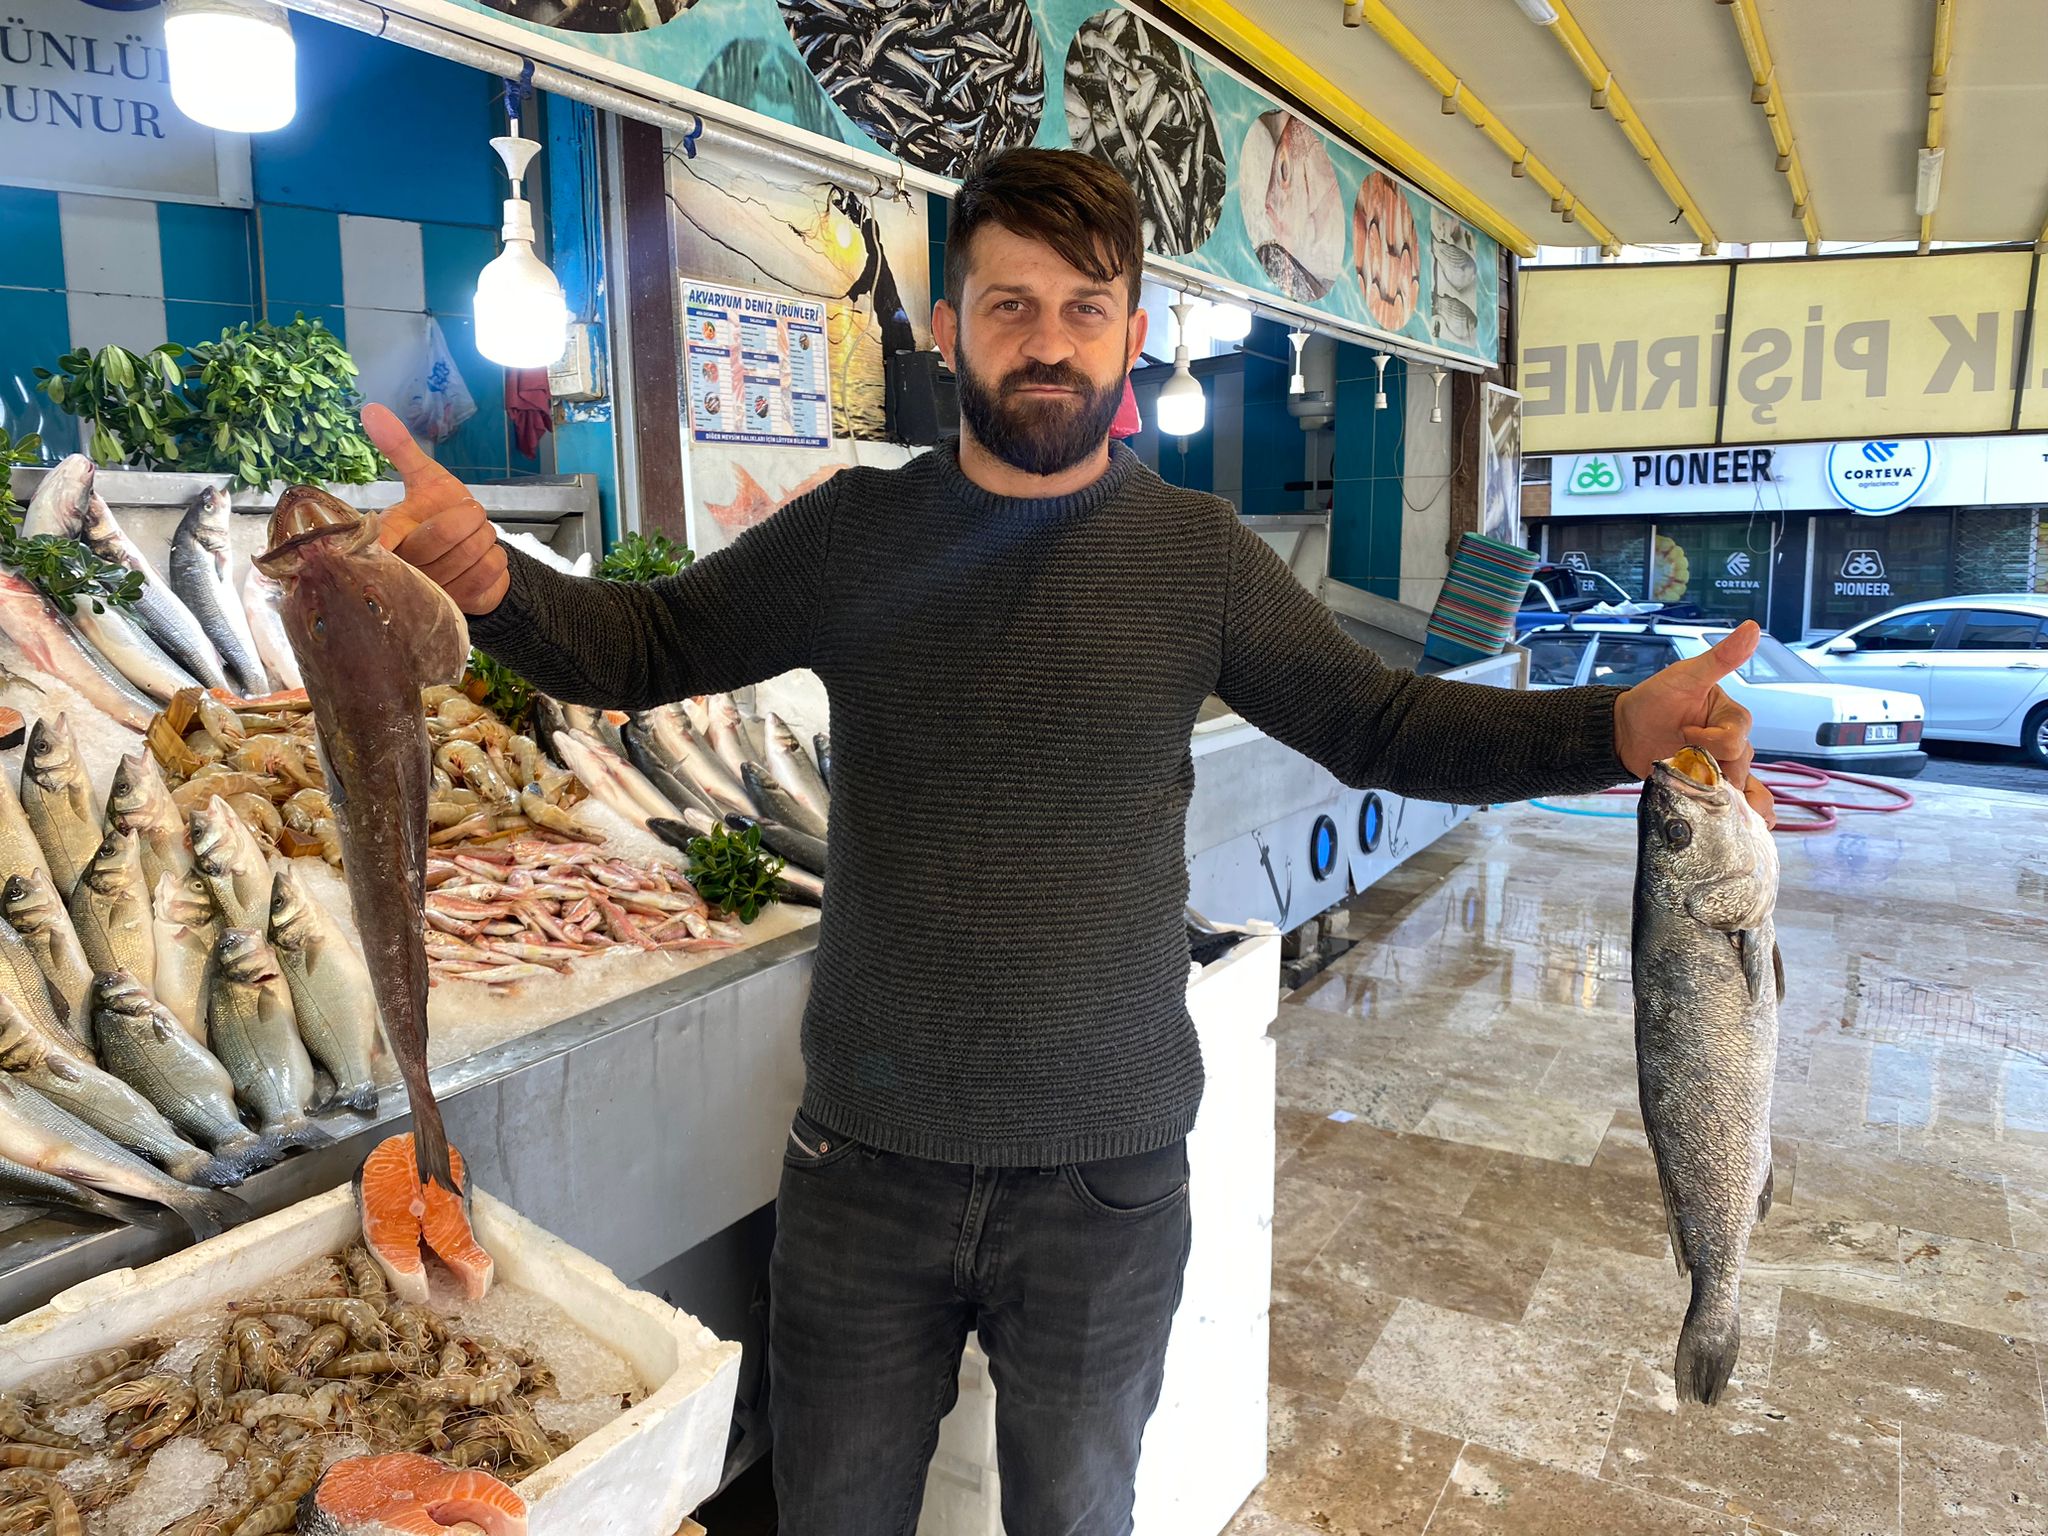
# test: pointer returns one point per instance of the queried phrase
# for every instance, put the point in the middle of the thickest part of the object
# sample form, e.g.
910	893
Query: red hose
1797	793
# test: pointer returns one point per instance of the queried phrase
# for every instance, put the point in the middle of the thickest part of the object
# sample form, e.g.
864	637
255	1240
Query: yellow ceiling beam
1240	35
1608	95
1458	98
1942	54
1764	92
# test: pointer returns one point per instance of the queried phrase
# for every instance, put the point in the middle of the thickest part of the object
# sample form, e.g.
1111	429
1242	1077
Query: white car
1981	663
1796	714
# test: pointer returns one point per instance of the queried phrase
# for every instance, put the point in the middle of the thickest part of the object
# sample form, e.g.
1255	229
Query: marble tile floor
1474	1303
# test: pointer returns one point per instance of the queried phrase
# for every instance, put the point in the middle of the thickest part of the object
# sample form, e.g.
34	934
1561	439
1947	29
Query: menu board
757	368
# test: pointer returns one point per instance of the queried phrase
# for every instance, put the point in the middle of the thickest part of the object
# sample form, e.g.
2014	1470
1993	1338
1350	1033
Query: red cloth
529	405
1127	423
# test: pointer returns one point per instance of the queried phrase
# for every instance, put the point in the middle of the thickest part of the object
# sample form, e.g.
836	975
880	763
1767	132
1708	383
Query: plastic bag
436	400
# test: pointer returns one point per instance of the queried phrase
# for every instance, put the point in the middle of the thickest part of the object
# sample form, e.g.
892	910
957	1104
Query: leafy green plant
731	872
136	404
63	568
643	557
278	402
501	690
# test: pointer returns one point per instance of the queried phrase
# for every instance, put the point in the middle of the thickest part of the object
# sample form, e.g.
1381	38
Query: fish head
207	518
350	603
116	864
215	847
138	793
118	992
62	503
181	899
52	757
245	956
288	912
31	901
1696	830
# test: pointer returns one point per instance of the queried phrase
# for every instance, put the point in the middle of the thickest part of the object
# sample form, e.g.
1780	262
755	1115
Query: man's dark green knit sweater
1002	963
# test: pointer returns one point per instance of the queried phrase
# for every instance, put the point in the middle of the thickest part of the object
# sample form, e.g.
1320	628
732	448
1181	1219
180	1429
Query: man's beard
1040	436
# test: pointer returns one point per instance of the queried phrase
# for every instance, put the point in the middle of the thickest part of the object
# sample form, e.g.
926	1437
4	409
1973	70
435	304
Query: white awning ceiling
1853	75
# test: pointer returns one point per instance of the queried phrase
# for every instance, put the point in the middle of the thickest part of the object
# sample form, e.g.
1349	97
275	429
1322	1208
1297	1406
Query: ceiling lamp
1182	408
1298	385
1354	13
522	320
232	63
1229	322
1542	12
1379	399
1436	402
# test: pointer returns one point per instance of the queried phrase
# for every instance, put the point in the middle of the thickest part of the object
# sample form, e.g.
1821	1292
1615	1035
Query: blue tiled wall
382	131
1371	462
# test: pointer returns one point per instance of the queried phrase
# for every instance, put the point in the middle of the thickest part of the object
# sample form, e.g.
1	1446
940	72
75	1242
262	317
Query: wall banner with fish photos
1233	184
1500	477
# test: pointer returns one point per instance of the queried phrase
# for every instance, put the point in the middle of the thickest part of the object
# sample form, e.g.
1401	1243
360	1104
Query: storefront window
1864	565
1616	548
1723	566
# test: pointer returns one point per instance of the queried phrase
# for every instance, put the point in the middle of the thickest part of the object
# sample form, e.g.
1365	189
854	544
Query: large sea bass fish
369	632
1708	981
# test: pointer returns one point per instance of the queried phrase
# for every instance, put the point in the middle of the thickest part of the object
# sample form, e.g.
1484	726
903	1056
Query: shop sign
1233	182
1594	474
1862	575
1783	351
1880	477
85	106
757	368
1736	574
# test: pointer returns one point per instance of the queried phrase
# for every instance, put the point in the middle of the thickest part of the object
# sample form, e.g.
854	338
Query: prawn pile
277	1389
491	784
501	915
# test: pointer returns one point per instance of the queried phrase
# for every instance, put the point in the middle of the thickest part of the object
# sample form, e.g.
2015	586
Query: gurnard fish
57	798
331	991
261	598
52	647
38	1135
143	1045
87	518
370	632
1708	981
202	566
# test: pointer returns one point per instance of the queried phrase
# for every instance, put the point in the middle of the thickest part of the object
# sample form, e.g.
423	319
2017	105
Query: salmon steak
400	1213
406	1495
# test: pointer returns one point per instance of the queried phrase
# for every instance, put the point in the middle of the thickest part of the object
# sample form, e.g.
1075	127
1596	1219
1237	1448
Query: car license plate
1876	733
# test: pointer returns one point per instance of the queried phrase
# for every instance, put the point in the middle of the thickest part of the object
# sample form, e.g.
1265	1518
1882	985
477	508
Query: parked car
1980	662
1796	714
1555	590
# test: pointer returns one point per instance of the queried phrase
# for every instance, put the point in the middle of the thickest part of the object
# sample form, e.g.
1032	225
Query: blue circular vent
1322	848
1372	821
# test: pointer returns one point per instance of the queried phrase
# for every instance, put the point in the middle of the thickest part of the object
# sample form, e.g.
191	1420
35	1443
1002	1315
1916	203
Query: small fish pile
196	630
490	783
678	771
500	916
172	1012
307	1400
941	88
1708	981
1133	98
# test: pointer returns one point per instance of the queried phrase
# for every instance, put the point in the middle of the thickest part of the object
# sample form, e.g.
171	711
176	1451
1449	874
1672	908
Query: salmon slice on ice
406	1495
398	1215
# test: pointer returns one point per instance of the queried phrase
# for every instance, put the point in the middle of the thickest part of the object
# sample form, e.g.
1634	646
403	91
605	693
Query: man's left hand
1684	706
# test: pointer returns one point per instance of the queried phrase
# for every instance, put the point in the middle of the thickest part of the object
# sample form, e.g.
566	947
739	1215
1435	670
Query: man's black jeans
882	1266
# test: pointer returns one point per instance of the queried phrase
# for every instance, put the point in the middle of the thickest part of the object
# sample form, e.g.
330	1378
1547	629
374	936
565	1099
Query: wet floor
1474	1301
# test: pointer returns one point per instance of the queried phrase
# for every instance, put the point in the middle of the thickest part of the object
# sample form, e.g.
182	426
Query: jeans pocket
811	1145
1130	1187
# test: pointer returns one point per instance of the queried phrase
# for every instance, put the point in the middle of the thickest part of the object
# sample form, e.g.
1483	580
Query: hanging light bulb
1436	404
1182	406
233	64
1298	385
522	320
1379	400
1229	322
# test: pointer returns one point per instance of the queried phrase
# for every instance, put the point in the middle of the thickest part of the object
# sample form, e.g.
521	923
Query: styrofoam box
1205	1448
638	1476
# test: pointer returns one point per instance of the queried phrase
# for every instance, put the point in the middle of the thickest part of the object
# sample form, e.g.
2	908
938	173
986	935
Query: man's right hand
438	526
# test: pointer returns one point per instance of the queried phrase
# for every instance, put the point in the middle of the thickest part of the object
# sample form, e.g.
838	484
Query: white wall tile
111	245
381	265
114	319
388	347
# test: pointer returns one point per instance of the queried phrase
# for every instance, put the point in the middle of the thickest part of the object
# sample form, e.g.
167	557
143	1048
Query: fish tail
1707	1344
189	1165
430	1144
299	1133
208	1212
247	1154
361	1098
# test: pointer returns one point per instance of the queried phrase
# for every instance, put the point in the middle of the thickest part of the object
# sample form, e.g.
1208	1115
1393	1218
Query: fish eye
371	603
319	625
1678	832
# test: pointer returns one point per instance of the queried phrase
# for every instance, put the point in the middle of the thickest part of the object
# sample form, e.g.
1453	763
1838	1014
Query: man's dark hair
1078	205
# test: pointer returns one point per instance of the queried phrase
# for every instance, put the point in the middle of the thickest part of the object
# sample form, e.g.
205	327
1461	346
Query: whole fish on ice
231	861
370	632
1708	981
261	606
53	648
110	910
795	772
251	1029
331	991
202	566
186	926
35	911
140	802
161	616
57	798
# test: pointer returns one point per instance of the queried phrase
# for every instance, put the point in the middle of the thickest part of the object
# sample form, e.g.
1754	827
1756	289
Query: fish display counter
1273	837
